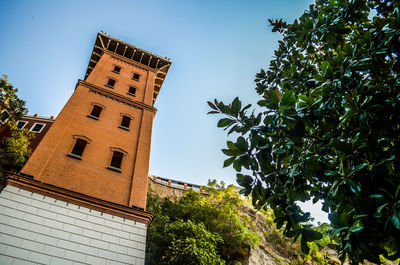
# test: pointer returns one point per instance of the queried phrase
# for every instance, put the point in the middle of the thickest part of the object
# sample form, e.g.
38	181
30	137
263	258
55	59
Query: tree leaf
229	161
358	168
396	219
236	105
242	144
356	227
224	122
288	99
231	145
212	105
304	247
341	146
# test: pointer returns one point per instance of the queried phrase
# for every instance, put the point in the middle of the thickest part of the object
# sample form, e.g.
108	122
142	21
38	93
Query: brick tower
87	178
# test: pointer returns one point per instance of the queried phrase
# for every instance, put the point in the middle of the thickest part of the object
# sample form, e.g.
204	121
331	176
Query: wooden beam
102	43
98	47
108	43
151	57
126	47
162	68
133	54
95	53
158	61
141	57
116	47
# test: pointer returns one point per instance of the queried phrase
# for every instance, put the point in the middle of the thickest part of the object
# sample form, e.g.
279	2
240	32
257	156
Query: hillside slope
272	248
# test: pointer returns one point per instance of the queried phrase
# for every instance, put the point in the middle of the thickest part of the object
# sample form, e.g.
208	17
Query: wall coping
29	184
176	184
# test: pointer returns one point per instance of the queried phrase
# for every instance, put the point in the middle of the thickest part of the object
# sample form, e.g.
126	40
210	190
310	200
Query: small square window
132	91
37	127
125	122
21	124
4	116
136	76
117	69
116	160
111	83
95	114
79	146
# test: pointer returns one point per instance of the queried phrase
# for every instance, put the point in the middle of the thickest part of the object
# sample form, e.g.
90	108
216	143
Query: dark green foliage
9	99
191	244
217	214
327	127
14	150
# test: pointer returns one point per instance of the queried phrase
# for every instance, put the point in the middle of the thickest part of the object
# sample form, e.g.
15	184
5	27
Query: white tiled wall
41	230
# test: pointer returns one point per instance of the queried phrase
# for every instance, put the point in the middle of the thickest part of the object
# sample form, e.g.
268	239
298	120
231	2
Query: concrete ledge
40	190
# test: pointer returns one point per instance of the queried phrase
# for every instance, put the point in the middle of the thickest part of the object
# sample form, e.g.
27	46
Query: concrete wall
41	230
163	190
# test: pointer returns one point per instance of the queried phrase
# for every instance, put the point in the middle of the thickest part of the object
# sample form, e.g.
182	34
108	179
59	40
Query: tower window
79	146
37	127
136	76
95	114
116	161
132	91
111	83
4	116
125	122
21	124
117	69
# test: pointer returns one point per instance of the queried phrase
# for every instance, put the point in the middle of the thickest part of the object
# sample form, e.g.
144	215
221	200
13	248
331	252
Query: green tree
9	99
219	213
192	244
14	150
327	127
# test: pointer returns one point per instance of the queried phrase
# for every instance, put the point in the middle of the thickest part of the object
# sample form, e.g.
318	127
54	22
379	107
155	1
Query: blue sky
216	48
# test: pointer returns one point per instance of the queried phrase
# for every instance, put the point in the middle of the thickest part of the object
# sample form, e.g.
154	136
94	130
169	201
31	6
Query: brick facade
91	173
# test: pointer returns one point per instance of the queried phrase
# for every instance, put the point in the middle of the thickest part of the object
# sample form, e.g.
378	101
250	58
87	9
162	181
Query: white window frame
9	116
23	126
33	126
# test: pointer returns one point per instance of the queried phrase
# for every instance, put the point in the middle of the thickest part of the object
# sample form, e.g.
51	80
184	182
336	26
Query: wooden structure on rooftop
105	42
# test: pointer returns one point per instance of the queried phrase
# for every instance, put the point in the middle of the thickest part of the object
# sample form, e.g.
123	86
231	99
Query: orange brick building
81	196
110	117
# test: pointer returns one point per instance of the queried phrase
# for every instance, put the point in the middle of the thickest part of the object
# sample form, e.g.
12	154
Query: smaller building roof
38	118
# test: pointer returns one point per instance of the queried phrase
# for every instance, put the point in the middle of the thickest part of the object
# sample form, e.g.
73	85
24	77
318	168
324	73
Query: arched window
96	111
117	69
125	121
132	91
136	76
116	158
79	146
111	82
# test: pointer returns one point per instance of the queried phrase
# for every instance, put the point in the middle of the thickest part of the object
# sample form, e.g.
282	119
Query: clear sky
216	48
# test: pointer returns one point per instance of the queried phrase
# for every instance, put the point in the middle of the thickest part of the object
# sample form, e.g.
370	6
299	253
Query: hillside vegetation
222	228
